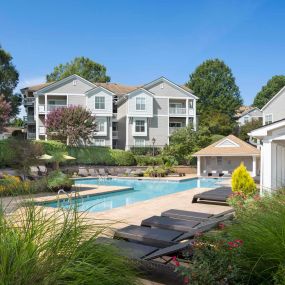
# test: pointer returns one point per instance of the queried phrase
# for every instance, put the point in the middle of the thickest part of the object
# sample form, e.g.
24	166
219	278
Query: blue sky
139	41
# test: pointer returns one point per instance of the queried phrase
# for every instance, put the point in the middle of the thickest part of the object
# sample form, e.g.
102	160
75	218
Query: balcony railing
31	136
180	111
173	129
29	119
50	107
115	134
29	100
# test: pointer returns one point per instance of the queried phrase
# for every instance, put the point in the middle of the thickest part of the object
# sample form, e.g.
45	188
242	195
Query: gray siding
132	104
276	108
167	90
121	116
160	106
76	100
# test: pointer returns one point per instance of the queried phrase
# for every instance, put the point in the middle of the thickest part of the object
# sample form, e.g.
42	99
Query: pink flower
239	241
176	262
186	280
221	226
233	244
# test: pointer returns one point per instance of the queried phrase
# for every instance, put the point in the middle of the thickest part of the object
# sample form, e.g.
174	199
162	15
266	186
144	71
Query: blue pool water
141	190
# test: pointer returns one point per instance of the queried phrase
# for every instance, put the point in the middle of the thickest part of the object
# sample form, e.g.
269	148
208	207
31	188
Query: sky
141	40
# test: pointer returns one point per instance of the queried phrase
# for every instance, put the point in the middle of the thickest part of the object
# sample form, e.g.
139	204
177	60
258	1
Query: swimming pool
142	190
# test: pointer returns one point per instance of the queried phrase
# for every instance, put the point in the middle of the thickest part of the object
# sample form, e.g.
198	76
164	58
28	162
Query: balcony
180	111
50	107
29	119
31	136
29	101
115	134
173	129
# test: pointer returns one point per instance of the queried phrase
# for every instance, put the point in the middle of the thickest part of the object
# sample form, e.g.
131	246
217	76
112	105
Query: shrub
57	180
242	181
57	248
144	160
51	146
6	153
147	150
100	156
261	226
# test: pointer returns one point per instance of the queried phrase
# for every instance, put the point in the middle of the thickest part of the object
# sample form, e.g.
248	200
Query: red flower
239	241
176	262
186	280
221	226
233	244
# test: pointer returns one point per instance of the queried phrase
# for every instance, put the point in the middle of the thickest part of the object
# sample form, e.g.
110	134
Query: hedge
101	156
6	154
144	160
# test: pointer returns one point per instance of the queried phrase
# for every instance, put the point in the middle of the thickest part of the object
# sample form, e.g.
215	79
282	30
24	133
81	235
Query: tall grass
37	247
261	226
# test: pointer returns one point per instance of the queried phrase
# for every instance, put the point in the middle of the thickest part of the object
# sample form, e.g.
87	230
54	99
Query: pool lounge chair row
105	172
214	173
159	238
36	172
218	195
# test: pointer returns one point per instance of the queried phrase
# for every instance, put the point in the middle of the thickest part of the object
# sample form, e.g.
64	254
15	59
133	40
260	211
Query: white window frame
140	103
268	122
104	122
135	133
99	142
139	142
191	103
100	97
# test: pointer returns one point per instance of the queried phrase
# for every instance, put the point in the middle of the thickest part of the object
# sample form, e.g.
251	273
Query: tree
248	127
73	124
5	111
9	78
214	84
82	66
185	141
269	90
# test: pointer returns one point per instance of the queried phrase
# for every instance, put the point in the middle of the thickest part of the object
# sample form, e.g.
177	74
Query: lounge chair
215	174
128	172
82	171
112	172
190	215
155	262
220	194
93	172
43	170
103	173
162	237
33	173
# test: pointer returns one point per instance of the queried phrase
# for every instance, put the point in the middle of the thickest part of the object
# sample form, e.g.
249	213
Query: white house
225	155
274	110
249	114
272	167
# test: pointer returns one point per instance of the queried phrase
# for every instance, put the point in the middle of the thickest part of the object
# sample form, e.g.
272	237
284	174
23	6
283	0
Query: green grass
57	248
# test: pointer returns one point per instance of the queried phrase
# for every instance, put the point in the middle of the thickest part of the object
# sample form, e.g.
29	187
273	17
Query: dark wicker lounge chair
82	171
196	216
220	195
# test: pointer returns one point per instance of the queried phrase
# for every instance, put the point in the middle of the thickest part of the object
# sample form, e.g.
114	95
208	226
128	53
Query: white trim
104	133
98	140
99	96
163	79
139	90
127	133
73	76
142	139
62	94
273	98
140	134
264	118
233	144
99	87
262	131
140	97
222	154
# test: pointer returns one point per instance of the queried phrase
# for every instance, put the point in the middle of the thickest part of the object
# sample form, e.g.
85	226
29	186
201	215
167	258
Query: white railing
29	100
50	107
115	134
177	111
42	130
31	136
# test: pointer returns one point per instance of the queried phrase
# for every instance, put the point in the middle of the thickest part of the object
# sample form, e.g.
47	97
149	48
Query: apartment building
126	115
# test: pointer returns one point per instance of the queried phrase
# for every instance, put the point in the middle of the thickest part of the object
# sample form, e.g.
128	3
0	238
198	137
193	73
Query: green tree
214	84
82	66
269	90
247	128
9	78
185	141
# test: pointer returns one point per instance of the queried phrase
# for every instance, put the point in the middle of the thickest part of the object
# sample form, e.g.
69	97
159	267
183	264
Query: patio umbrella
45	157
68	157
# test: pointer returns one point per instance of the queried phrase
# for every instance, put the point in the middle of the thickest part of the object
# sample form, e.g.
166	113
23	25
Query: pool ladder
69	196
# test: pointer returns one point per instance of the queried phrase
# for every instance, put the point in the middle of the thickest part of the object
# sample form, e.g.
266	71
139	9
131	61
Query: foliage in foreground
242	181
58	248
247	128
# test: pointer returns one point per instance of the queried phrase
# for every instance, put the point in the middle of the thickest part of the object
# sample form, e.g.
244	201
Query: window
268	119
175	124
99	142
99	102
139	142
175	105
140	104
190	104
139	126
246	119
101	126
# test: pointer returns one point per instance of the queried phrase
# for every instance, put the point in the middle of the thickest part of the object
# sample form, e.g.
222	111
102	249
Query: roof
117	88
274	97
228	146
243	110
263	131
37	87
